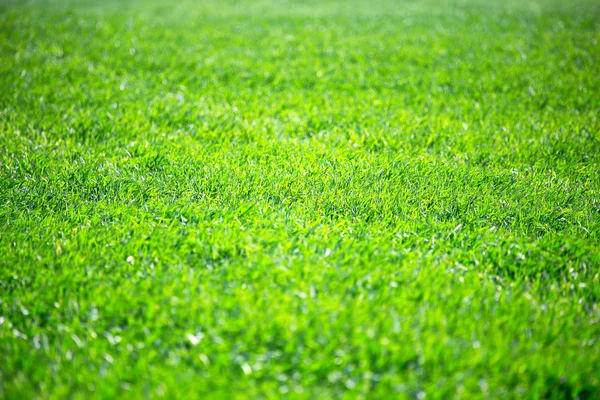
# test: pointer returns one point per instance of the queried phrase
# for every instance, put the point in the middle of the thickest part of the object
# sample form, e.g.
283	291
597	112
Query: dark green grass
310	199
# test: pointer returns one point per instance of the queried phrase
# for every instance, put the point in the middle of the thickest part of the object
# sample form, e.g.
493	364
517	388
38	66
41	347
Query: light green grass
302	199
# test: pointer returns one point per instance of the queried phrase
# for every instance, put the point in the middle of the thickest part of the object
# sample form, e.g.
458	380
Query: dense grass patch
312	199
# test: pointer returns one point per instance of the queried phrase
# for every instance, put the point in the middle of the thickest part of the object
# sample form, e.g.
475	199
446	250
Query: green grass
307	199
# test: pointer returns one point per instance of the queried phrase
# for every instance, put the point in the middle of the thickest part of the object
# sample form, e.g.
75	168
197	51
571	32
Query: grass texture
299	199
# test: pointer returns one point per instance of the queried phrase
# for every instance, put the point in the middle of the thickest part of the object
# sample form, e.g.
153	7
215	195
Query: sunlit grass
311	199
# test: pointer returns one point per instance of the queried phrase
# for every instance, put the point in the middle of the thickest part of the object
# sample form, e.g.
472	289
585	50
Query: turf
337	199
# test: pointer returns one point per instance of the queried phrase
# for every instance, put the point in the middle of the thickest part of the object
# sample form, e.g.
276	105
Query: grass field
300	199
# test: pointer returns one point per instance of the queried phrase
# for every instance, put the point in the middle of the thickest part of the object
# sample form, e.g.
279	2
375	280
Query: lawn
300	199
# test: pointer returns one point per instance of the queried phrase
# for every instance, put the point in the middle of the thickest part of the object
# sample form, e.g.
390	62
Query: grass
303	199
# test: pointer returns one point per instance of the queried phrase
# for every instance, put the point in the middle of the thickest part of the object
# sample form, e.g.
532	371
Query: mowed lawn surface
309	199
